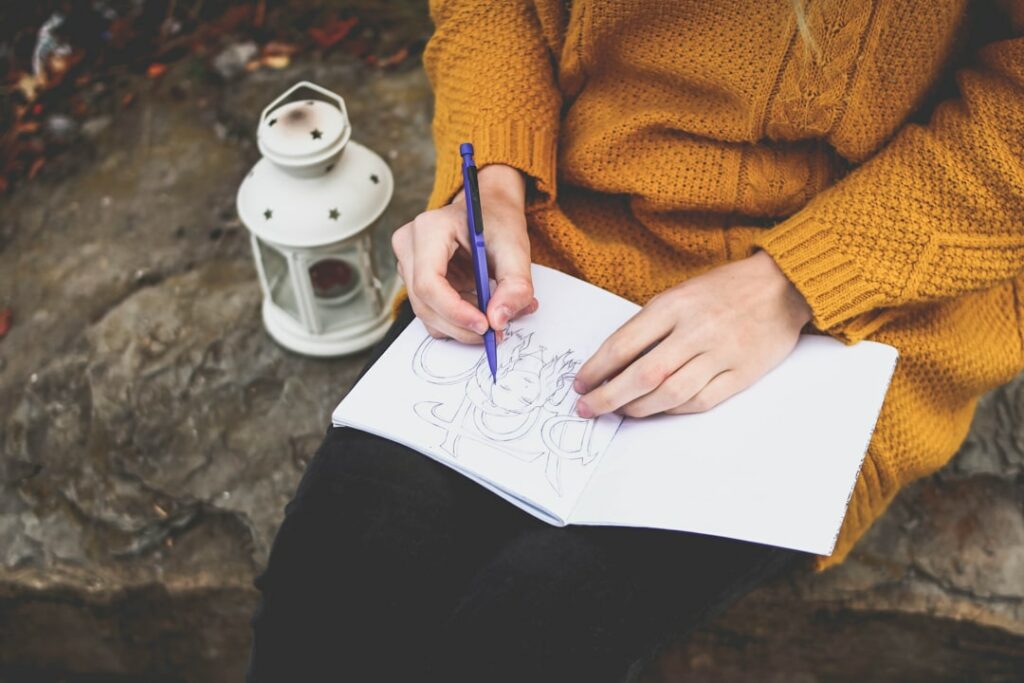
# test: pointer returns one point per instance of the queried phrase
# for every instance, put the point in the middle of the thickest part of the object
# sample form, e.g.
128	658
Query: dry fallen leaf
391	60
27	127
6	318
37	164
332	32
232	19
272	61
279	47
55	67
156	69
29	85
121	32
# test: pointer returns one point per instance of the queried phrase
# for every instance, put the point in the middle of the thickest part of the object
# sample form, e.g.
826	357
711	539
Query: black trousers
390	567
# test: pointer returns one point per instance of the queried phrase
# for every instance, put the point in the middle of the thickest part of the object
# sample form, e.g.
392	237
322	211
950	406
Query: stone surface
152	433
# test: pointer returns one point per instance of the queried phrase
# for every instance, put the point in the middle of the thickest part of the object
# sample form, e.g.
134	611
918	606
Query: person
746	171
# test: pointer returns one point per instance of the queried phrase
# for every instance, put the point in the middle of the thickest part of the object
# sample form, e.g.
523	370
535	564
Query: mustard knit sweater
661	139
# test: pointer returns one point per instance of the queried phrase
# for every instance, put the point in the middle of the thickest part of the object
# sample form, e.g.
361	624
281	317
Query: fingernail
578	386
480	328
583	410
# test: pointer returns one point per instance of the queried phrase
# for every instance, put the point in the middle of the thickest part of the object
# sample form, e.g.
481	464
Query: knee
549	607
555	573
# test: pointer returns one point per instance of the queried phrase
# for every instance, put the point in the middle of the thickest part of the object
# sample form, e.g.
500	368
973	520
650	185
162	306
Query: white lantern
311	205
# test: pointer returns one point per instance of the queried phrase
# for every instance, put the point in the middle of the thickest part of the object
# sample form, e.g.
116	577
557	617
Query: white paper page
521	434
774	464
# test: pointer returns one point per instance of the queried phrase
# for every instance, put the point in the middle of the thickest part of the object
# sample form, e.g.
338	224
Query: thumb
514	290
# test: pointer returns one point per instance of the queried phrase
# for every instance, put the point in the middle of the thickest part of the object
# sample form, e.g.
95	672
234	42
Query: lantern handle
334	98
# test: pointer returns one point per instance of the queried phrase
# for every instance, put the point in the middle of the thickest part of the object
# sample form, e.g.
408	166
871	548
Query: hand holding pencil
434	260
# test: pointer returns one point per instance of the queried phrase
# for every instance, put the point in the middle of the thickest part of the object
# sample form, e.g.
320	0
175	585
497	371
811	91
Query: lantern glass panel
279	283
383	256
342	296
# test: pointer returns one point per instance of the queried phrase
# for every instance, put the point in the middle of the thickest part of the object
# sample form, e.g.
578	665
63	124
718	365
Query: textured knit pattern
662	139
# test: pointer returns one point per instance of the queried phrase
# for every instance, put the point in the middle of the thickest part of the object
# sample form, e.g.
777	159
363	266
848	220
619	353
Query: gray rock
93	127
61	128
151	431
230	62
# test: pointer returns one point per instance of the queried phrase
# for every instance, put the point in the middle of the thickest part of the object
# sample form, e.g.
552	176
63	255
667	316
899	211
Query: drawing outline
527	413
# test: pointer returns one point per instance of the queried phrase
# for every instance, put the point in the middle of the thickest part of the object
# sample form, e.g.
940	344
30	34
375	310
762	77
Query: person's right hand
435	264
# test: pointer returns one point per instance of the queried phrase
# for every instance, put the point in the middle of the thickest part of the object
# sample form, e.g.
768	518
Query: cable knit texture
662	139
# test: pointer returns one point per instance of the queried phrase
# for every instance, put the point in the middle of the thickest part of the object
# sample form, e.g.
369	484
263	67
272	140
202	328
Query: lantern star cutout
374	179
267	214
316	134
334	213
271	122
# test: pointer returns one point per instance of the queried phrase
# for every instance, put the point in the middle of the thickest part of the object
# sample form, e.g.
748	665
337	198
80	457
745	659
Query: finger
434	332
445	329
499	335
641	377
721	387
510	252
531	308
679	388
438	326
639	333
435	324
433	246
401	245
511	297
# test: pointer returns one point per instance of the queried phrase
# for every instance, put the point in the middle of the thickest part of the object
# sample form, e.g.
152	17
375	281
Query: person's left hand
696	344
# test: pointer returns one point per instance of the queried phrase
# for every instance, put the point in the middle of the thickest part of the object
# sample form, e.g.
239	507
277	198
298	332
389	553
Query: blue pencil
475	219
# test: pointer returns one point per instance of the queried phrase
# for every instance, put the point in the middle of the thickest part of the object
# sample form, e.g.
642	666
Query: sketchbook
773	464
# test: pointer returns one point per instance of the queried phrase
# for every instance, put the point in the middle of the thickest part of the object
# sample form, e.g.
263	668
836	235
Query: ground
152	432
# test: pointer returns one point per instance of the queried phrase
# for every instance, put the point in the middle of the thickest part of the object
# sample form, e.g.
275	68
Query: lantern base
289	334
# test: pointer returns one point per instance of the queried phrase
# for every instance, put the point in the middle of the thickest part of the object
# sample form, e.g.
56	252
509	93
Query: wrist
499	185
793	299
503	184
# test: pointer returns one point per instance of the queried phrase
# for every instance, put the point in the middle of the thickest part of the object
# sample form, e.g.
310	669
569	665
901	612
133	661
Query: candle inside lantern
334	280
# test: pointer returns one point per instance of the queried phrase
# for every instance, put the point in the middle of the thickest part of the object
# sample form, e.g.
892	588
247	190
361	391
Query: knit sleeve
492	76
938	212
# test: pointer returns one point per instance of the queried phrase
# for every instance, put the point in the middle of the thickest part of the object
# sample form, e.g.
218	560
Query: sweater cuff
513	143
400	296
843	303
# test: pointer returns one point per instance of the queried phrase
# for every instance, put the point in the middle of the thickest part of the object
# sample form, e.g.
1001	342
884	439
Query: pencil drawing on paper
526	414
